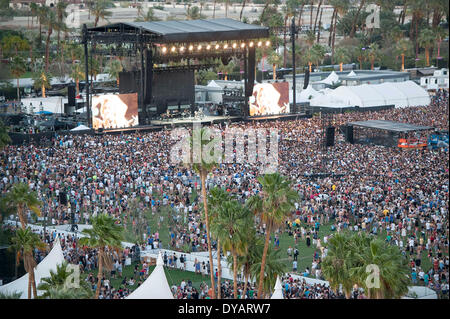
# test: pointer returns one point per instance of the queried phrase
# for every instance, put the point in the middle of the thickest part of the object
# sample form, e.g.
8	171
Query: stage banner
114	111
270	98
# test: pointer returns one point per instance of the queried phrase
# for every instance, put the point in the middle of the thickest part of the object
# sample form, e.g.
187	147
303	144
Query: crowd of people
367	188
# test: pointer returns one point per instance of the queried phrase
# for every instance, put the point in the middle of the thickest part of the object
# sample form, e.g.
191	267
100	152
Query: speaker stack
330	136
349	134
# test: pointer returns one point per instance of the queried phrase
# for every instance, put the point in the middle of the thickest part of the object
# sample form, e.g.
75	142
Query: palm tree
4	137
230	225
13	44
55	285
42	80
274	266
244	2
27	241
104	233
48	18
217	196
20	198
355	19
115	67
403	47
149	16
340	8
14	295
392	265
275	59
17	69
77	74
361	54
342	56
309	57
319	53
338	262
276	202
373	54
426	39
203	163
100	10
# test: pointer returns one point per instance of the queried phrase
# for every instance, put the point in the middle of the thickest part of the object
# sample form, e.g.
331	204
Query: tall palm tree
355	19
17	68
403	47
342	56
13	44
361	54
77	74
42	80
426	39
244	2
60	25
48	18
319	53
373	54
275	59
338	262
26	241
4	137
100	10
104	233
272	207
217	196
203	164
115	67
340	8
317	15
55	284
230	225
21	198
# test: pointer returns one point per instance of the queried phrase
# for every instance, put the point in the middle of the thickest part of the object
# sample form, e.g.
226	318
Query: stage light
225	46
217	47
173	49
208	47
267	43
251	44
199	47
164	50
259	43
242	45
234	45
182	49
191	47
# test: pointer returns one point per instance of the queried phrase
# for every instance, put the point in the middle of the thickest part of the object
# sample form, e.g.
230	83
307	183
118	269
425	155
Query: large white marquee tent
400	94
55	257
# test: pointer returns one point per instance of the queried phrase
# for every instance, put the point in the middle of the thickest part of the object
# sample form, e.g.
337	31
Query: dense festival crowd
366	188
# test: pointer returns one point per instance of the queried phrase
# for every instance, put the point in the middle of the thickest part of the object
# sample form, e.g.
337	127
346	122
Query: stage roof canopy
190	30
390	126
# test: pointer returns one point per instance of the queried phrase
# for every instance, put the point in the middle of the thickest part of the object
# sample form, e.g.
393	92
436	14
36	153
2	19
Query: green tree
203	162
275	59
272	207
77	74
20	198
342	56
56	284
13	44
115	67
42	80
4	137
427	39
17	68
26	241
230	225
100	10
373	54
403	48
104	233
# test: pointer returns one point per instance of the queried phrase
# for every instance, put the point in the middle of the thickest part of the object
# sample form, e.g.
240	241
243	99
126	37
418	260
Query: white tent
352	74
155	286
308	93
331	79
278	293
400	94
80	128
42	270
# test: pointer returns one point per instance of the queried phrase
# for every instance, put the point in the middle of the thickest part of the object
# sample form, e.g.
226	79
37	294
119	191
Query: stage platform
220	119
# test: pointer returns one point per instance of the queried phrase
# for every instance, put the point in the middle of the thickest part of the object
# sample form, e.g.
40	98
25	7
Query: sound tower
330	136
63	198
71	95
349	134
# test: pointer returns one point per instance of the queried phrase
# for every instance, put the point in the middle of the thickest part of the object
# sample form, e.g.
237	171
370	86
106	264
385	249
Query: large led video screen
114	111
270	98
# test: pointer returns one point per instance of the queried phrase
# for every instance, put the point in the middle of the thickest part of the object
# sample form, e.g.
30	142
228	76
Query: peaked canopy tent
399	94
308	93
155	286
42	270
161	42
331	79
278	293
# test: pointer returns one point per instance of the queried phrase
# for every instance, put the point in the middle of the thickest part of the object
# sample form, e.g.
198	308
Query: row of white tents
399	94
